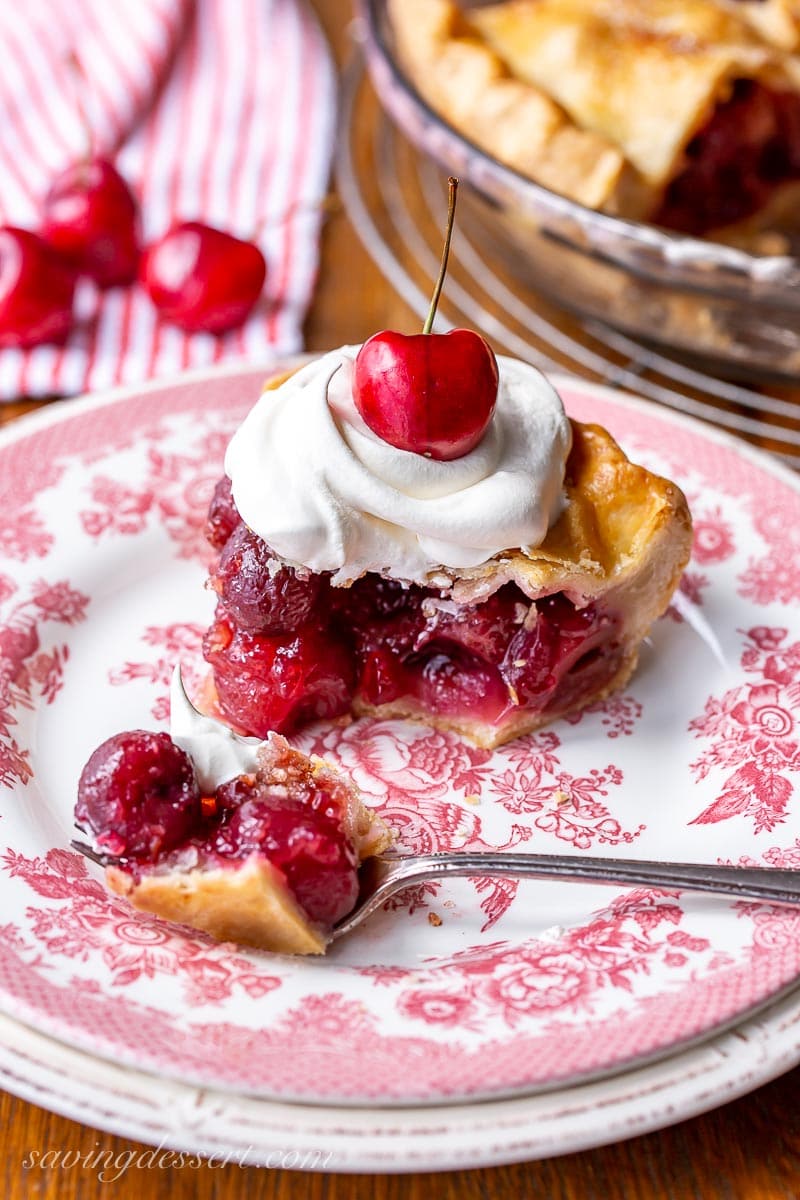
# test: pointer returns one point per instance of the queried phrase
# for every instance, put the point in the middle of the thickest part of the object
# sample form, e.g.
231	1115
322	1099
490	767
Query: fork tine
102	860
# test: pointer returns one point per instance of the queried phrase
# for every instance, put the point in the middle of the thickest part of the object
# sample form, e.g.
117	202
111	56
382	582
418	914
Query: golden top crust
595	99
454	70
615	511
645	74
776	21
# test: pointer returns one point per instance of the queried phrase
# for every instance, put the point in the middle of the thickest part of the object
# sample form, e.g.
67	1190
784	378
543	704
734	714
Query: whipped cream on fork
215	751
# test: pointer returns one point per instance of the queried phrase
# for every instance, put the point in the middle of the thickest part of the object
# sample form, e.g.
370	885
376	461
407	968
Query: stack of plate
472	1025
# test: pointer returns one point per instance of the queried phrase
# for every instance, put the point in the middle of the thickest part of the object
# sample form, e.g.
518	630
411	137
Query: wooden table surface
749	1148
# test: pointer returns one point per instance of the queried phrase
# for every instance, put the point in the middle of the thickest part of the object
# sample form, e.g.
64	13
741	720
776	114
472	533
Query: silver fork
385	875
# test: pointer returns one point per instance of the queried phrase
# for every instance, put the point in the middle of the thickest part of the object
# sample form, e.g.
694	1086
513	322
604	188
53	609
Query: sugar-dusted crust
623	539
645	76
777	21
624	532
450	64
595	99
250	902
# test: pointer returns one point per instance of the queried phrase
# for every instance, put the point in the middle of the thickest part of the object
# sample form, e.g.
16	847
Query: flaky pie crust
594	99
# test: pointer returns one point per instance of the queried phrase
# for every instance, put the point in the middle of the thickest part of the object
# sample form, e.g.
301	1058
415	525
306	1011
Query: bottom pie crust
516	725
250	905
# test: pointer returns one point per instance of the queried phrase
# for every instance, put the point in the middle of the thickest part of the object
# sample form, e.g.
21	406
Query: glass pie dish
733	309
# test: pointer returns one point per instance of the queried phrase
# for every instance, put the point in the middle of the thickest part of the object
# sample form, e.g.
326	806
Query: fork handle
774	884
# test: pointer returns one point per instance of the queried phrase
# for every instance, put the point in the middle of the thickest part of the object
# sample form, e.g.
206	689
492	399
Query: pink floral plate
477	990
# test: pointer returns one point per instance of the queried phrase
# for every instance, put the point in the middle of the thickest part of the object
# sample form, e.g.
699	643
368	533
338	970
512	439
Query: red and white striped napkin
217	110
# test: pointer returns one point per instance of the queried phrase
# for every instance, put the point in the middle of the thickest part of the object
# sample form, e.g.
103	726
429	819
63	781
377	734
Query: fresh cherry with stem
431	394
201	278
37	290
91	218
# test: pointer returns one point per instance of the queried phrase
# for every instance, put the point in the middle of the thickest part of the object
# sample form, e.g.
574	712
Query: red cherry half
202	278
91	218
432	394
36	291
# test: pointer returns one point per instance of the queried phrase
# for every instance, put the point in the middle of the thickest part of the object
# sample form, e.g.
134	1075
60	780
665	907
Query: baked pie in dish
251	842
488	593
683	113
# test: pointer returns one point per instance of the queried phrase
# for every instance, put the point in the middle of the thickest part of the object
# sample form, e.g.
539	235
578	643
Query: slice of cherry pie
491	651
269	859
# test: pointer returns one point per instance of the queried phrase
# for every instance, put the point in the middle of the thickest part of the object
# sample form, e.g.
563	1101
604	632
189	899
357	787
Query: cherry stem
80	84
452	185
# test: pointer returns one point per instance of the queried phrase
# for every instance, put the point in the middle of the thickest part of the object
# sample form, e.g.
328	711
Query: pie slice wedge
491	652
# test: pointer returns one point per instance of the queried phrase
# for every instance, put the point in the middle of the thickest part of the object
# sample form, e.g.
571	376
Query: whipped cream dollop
328	494
215	751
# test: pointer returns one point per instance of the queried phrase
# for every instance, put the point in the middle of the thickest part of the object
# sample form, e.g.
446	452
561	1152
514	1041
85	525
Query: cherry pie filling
139	801
750	146
288	648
